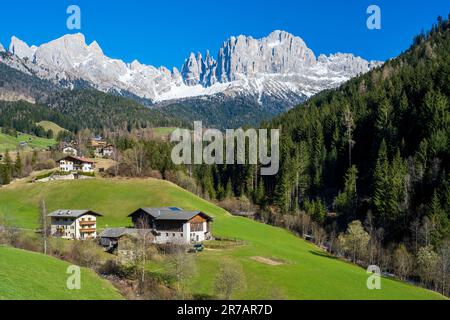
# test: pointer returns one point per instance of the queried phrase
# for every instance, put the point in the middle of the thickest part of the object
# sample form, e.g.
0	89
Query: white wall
68	224
79	235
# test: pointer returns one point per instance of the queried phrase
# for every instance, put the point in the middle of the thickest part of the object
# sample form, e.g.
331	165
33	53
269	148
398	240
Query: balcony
88	230
87	223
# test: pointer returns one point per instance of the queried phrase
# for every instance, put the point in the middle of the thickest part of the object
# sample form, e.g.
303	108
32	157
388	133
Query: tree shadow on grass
322	254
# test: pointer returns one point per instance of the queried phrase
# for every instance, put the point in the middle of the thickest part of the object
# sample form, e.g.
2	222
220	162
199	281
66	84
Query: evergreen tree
229	190
8	168
347	201
260	193
18	166
381	182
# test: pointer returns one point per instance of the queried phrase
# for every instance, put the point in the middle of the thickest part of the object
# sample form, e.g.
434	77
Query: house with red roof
76	164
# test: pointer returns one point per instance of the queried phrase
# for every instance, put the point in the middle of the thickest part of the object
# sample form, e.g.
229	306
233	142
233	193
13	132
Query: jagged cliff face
278	69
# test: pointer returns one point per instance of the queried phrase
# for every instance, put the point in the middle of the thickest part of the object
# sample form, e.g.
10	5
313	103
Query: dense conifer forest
377	146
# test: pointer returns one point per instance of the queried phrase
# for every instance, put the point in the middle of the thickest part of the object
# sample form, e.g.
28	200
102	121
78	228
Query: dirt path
268	261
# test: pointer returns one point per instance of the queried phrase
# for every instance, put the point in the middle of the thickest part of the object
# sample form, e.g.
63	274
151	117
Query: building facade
174	225
76	164
74	224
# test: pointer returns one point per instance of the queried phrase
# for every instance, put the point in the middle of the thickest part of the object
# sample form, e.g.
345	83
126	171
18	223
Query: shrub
44	165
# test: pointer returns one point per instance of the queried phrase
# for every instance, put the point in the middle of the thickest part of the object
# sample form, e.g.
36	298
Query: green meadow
304	271
32	276
48	125
11	143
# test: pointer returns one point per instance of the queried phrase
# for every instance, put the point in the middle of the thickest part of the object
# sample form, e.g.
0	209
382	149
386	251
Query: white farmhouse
74	224
174	225
76	164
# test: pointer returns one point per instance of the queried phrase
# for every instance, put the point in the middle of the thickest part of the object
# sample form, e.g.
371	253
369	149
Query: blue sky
165	32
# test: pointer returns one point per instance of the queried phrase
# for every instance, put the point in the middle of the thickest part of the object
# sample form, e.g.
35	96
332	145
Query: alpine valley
249	81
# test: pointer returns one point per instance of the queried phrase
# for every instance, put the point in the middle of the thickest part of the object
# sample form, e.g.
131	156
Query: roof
81	159
72	213
117	232
171	213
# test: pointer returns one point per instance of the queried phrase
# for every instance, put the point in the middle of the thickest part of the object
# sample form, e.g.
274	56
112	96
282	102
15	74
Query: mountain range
268	75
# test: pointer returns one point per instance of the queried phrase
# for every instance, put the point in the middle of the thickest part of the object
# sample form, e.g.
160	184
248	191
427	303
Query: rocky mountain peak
21	49
278	68
95	48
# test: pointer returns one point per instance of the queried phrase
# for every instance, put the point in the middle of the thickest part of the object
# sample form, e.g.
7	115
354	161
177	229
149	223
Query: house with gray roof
74	224
174	225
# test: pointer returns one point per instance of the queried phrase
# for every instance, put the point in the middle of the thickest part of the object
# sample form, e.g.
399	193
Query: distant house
108	151
98	143
74	224
174	225
104	151
70	151
76	164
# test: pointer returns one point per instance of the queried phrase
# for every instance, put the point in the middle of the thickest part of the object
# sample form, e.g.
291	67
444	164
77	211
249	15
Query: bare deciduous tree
229	279
182	266
44	225
444	267
144	241
349	123
403	262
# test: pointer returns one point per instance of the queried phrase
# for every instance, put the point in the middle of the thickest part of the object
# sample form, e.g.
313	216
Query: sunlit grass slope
307	272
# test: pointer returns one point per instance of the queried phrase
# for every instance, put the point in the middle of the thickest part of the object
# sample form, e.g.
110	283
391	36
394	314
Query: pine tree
260	193
380	182
18	166
440	218
229	190
283	187
383	120
398	201
8	169
347	201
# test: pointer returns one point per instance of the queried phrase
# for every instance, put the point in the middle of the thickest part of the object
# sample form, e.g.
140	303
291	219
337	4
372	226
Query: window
167	234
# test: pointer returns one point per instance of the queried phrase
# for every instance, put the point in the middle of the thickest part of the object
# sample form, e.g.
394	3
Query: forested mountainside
379	144
23	116
26	99
97	110
219	111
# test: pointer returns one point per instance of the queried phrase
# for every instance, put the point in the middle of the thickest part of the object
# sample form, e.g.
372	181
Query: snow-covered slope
279	67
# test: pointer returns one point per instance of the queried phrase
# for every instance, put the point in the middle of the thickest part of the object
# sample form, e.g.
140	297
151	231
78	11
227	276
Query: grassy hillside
48	125
32	276
306	272
11	143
